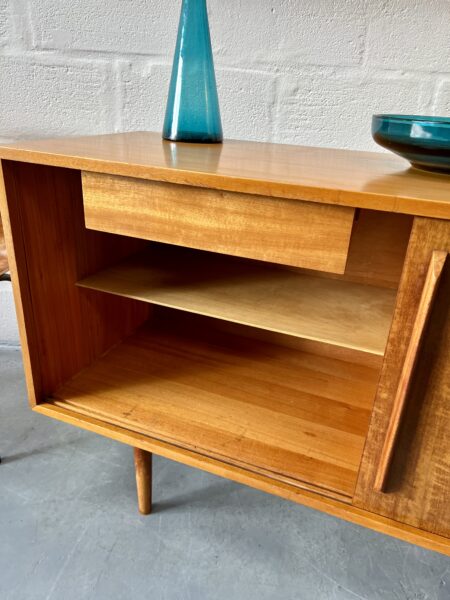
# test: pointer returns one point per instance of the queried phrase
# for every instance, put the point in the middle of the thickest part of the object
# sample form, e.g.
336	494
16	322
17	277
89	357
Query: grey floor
69	529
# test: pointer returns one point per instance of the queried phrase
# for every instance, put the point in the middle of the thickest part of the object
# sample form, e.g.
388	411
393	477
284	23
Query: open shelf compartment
296	416
333	311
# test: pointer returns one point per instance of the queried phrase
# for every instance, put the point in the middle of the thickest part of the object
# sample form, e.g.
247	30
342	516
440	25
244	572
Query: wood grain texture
242	291
300	234
272	337
256	480
15	245
3	258
213	329
419	482
378	248
143	468
298	421
297	416
433	277
372	180
63	328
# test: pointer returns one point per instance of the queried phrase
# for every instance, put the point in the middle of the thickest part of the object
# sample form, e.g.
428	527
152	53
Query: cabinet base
260	482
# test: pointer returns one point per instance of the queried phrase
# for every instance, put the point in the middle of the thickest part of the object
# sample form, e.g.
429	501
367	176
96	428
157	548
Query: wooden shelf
299	417
332	311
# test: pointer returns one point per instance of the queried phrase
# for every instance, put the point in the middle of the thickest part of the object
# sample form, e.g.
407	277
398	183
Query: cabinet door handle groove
435	269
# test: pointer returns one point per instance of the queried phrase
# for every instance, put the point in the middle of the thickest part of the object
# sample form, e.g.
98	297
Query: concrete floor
69	529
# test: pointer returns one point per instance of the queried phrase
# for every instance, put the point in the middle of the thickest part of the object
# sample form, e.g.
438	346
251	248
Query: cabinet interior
270	368
295	415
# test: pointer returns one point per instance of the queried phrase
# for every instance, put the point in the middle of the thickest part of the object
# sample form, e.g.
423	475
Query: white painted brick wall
442	99
9	334
300	71
47	98
3	22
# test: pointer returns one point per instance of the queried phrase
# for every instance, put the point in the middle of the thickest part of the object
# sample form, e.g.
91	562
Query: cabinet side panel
12	227
418	489
64	328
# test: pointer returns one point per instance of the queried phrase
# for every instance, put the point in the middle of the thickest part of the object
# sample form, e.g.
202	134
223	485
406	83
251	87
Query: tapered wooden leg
143	466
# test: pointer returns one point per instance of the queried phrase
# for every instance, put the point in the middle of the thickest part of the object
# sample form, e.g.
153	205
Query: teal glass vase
193	113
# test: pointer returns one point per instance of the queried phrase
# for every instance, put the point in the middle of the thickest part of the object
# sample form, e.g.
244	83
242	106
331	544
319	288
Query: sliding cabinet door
405	471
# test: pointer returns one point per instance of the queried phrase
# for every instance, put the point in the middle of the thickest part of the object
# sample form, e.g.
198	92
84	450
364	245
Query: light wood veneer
348	315
378	181
418	486
265	483
430	289
63	328
286	414
301	234
301	417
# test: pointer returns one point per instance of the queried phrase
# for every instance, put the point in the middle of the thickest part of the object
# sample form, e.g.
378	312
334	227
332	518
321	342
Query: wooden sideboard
273	314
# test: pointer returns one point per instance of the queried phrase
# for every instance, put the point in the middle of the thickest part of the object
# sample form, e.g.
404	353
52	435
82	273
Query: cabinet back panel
378	248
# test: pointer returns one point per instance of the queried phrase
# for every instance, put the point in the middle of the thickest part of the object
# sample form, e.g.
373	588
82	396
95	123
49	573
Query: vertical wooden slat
435	269
419	476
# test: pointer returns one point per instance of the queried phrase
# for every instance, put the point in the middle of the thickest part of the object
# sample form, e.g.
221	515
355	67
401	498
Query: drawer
290	232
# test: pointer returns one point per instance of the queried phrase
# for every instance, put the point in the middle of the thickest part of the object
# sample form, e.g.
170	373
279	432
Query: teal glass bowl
424	141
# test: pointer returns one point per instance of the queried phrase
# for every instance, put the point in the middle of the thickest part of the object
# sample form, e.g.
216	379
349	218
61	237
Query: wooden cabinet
272	314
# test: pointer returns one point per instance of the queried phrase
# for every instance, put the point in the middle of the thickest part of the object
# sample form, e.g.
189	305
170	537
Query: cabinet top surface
372	180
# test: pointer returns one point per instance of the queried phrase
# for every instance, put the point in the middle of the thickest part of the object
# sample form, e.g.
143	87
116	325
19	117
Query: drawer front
299	234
